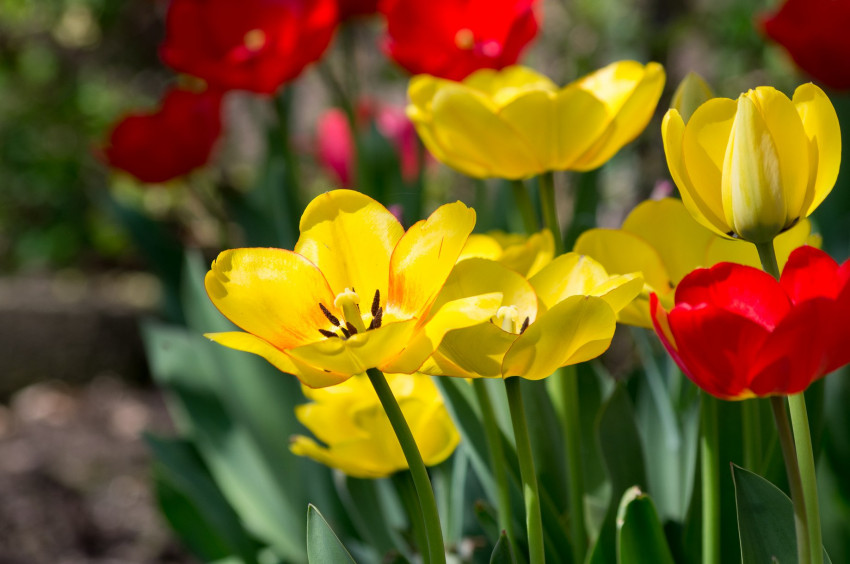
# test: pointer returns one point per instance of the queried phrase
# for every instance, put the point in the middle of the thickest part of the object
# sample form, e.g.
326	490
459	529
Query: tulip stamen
376	320
351	328
331	317
345	332
376	303
328	334
524	325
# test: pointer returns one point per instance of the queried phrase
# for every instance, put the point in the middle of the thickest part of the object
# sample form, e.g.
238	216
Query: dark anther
376	320
376	303
524	326
331	317
351	328
345	332
327	333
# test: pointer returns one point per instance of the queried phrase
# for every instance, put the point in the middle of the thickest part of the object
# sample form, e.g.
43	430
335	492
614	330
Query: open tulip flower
357	435
753	167
357	293
661	240
516	123
739	333
524	254
564	314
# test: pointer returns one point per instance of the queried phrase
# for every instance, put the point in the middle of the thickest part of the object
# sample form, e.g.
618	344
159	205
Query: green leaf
765	520
503	552
193	504
640	536
323	546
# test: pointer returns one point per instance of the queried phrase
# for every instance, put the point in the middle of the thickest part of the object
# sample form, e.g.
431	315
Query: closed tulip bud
691	93
755	167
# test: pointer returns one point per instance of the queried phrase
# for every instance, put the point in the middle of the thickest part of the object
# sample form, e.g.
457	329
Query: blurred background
84	250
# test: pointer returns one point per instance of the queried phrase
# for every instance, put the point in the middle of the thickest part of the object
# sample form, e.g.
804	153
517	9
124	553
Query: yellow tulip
516	123
301	310
564	314
661	240
525	254
356	434
754	167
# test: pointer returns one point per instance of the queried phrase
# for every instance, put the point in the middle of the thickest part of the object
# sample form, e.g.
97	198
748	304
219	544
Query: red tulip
335	146
352	8
254	45
453	38
170	142
738	333
815	34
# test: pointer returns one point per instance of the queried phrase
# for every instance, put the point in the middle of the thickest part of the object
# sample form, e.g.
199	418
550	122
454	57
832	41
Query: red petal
810	273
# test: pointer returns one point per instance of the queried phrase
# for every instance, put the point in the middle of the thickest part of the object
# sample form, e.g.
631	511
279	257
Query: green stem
497	458
550	213
403	482
710	461
751	420
533	519
292	203
526	208
568	379
584	207
436	548
786	441
767	255
806	461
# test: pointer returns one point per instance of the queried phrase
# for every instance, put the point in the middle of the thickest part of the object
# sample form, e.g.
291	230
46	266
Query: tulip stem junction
806	461
550	212
533	518
568	378
767	255
497	458
436	548
526	207
786	441
709	457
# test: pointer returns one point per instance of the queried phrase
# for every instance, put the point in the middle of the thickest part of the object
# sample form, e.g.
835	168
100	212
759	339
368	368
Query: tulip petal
330	421
479	277
575	330
669	229
272	293
359	352
350	237
630	91
309	375
481	246
529	257
792	147
424	257
822	129
472	352
468	127
357	458
530	115
810	273
702	154
580	120
739	290
619	251
455	314
570	274
505	85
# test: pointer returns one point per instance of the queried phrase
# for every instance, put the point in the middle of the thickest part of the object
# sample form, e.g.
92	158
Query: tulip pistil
352	320
508	319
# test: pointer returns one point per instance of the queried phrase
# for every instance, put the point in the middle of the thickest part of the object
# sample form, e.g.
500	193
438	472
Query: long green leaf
503	552
640	536
323	546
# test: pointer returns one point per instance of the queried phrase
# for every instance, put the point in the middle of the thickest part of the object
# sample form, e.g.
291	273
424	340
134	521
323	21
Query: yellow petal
571	274
577	329
309	375
421	91
473	352
505	85
424	257
358	458
435	433
455	314
669	229
703	149
753	196
530	116
272	293
469	129
580	119
350	237
531	255
360	352
619	291
792	146
481	246
743	252
480	277
331	421
631	92
822	129
620	252
691	93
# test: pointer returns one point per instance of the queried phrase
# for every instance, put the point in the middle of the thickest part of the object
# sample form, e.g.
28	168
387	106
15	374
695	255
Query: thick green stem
526	208
407	493
533	518
806	461
497	458
751	419
786	441
767	255
436	548
710	461
550	212
568	379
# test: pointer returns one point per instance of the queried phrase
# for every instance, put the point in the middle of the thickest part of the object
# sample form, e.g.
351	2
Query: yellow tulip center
255	39
507	318
352	322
